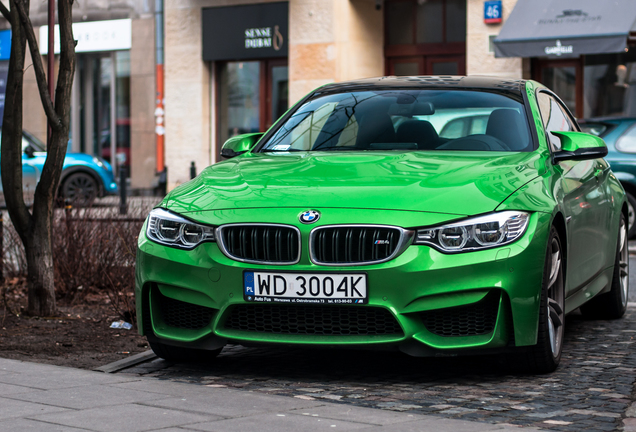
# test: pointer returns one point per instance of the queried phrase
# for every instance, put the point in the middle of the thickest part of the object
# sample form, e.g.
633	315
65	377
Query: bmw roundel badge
309	216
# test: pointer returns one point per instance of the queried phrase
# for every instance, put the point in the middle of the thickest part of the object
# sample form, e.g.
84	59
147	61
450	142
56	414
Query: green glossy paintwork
435	181
406	189
242	143
573	141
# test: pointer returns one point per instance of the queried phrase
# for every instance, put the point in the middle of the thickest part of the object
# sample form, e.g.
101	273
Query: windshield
405	120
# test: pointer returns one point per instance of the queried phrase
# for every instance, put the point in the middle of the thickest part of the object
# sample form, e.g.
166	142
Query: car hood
444	182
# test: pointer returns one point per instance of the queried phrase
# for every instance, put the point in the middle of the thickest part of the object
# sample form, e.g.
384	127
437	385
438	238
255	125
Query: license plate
320	288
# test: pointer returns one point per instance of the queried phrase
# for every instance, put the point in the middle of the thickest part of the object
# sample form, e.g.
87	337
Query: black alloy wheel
79	189
544	357
613	304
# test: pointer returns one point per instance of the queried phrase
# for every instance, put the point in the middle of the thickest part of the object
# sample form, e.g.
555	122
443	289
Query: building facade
113	103
234	66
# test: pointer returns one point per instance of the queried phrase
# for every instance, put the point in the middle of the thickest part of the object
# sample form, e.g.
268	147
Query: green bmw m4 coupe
354	222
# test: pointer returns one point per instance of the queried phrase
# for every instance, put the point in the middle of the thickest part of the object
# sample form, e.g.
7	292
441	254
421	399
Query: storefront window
455	20
609	82
103	81
425	22
430	21
399	23
279	91
562	81
425	37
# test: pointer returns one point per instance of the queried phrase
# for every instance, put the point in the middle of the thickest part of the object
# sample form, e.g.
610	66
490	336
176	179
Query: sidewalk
38	397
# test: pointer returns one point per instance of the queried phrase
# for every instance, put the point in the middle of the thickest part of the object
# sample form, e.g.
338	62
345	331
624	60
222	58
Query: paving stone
118	418
591	390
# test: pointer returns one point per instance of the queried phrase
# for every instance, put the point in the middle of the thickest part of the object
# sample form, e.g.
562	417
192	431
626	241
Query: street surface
591	390
37	397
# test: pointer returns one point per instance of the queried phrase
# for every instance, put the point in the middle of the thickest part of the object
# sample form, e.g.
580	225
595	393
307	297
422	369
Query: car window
554	119
626	143
29	140
479	124
405	120
454	128
465	126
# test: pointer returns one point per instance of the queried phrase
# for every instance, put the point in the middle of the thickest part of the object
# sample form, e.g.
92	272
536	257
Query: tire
631	215
613	304
176	354
79	189
544	357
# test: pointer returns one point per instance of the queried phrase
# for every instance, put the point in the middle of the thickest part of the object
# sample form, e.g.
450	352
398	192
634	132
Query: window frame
566	111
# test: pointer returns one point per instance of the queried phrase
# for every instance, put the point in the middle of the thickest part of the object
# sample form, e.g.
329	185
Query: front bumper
411	288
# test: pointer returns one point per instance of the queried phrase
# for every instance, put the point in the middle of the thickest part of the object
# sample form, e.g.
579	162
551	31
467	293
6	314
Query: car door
30	171
585	202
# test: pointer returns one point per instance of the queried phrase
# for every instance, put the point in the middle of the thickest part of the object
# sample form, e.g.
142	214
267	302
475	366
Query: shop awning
566	28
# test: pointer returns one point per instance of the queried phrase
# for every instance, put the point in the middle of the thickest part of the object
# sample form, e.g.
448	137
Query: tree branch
5	12
47	103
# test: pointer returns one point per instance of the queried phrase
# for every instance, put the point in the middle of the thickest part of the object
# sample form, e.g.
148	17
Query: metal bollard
123	206
193	170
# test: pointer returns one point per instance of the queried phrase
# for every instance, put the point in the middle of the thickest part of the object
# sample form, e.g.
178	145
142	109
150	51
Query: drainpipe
159	107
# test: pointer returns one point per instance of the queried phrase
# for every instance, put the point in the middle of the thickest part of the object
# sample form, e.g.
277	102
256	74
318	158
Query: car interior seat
506	125
375	127
420	132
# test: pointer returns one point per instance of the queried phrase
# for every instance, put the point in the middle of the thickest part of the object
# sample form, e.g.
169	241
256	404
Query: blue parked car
84	177
619	133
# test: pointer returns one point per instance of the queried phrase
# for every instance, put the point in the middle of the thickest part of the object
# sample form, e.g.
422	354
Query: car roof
473	82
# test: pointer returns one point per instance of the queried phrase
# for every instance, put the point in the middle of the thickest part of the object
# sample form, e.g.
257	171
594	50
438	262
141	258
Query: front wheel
79	189
544	357
613	304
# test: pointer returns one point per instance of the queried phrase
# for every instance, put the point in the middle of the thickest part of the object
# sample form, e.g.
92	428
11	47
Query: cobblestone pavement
591	390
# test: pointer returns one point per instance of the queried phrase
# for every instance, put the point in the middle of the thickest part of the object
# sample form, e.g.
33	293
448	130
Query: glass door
239	99
406	66
100	115
277	90
564	77
251	96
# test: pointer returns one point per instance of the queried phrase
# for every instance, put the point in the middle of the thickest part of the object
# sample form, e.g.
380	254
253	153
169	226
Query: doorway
252	95
100	108
565	78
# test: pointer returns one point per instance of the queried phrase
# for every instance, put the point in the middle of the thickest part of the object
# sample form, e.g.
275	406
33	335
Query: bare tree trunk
35	228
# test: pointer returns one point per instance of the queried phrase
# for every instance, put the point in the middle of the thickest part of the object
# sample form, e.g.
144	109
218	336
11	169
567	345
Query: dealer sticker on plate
321	288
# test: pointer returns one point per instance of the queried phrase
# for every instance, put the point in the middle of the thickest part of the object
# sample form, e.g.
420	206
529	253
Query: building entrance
100	109
252	95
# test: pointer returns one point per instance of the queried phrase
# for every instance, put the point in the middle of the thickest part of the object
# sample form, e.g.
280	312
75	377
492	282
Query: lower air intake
468	320
176	313
313	320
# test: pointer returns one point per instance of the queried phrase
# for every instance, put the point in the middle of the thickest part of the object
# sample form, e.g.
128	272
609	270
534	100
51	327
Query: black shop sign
245	32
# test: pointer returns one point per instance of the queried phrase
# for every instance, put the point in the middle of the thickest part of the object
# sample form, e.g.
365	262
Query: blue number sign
492	12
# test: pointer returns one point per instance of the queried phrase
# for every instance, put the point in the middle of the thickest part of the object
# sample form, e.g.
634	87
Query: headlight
99	162
482	232
170	229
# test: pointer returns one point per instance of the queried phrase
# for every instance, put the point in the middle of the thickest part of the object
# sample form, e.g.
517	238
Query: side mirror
29	151
239	144
579	146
